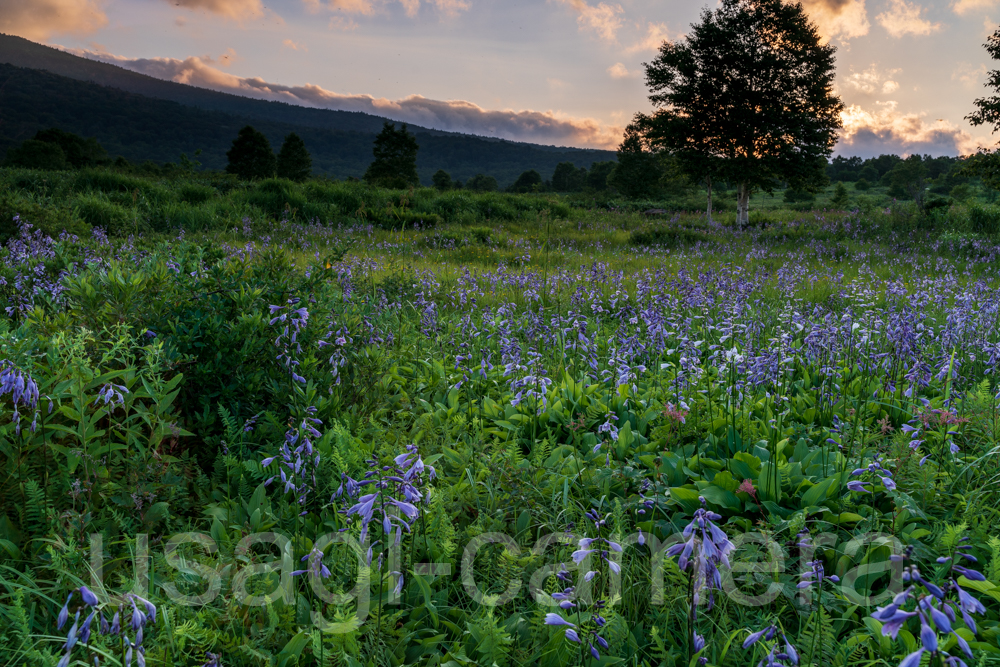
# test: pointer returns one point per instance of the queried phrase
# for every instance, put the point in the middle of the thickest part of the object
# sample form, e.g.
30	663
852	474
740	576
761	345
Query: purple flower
556	619
88	597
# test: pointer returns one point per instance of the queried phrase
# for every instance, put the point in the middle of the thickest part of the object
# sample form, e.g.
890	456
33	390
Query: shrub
52	220
394	220
97	211
862	185
182	215
984	219
276	195
109	182
193	193
668	236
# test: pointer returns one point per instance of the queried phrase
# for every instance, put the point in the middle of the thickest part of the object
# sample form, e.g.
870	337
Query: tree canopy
481	183
251	156
442	180
57	149
395	164
746	96
529	181
294	161
637	173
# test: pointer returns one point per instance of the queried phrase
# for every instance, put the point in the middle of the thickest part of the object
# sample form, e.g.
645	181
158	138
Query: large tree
294	161
986	164
637	173
746	97
395	164
251	156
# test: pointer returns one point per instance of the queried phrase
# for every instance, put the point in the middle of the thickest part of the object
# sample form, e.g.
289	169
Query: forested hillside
148	126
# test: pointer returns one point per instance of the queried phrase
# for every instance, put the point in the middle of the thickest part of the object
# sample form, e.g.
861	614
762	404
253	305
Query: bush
862	185
984	219
192	193
395	220
670	237
110	182
276	195
181	215
52	220
97	211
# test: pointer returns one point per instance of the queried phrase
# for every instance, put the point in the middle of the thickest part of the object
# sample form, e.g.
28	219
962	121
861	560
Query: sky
559	72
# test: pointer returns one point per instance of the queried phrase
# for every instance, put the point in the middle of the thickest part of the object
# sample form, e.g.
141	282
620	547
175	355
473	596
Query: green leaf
818	492
290	654
721	497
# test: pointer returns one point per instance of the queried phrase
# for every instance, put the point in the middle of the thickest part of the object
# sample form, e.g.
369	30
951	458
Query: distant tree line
640	172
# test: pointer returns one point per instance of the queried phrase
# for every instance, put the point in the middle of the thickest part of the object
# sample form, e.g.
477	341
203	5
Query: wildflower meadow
572	436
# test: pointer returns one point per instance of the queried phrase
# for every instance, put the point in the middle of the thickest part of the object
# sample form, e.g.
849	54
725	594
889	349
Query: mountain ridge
25	53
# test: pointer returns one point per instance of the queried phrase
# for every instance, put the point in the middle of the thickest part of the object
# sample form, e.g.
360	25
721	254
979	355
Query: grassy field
333	425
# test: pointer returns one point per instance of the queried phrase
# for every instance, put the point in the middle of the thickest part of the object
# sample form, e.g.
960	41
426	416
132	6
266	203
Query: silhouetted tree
79	152
294	161
34	154
840	197
481	183
529	181
637	174
395	164
746	97
251	156
567	178
442	180
907	180
597	177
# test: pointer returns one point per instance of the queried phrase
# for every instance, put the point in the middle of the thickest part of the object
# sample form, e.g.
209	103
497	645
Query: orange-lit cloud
41	19
369	7
619	71
293	45
233	9
547	127
452	7
968	75
839	19
656	34
603	19
364	7
905	18
871	80
966	6
885	129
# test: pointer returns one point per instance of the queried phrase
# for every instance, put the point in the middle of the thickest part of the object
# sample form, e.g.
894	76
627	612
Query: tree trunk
709	179
743	205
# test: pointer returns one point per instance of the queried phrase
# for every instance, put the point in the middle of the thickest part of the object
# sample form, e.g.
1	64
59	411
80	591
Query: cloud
656	34
619	71
411	7
368	7
869	133
293	45
364	7
452	7
226	59
547	127
234	9
966	6
603	19
841	19
870	80
41	19
968	75
904	18
342	23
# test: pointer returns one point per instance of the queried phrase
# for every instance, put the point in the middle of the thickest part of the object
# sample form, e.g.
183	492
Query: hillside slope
141	117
